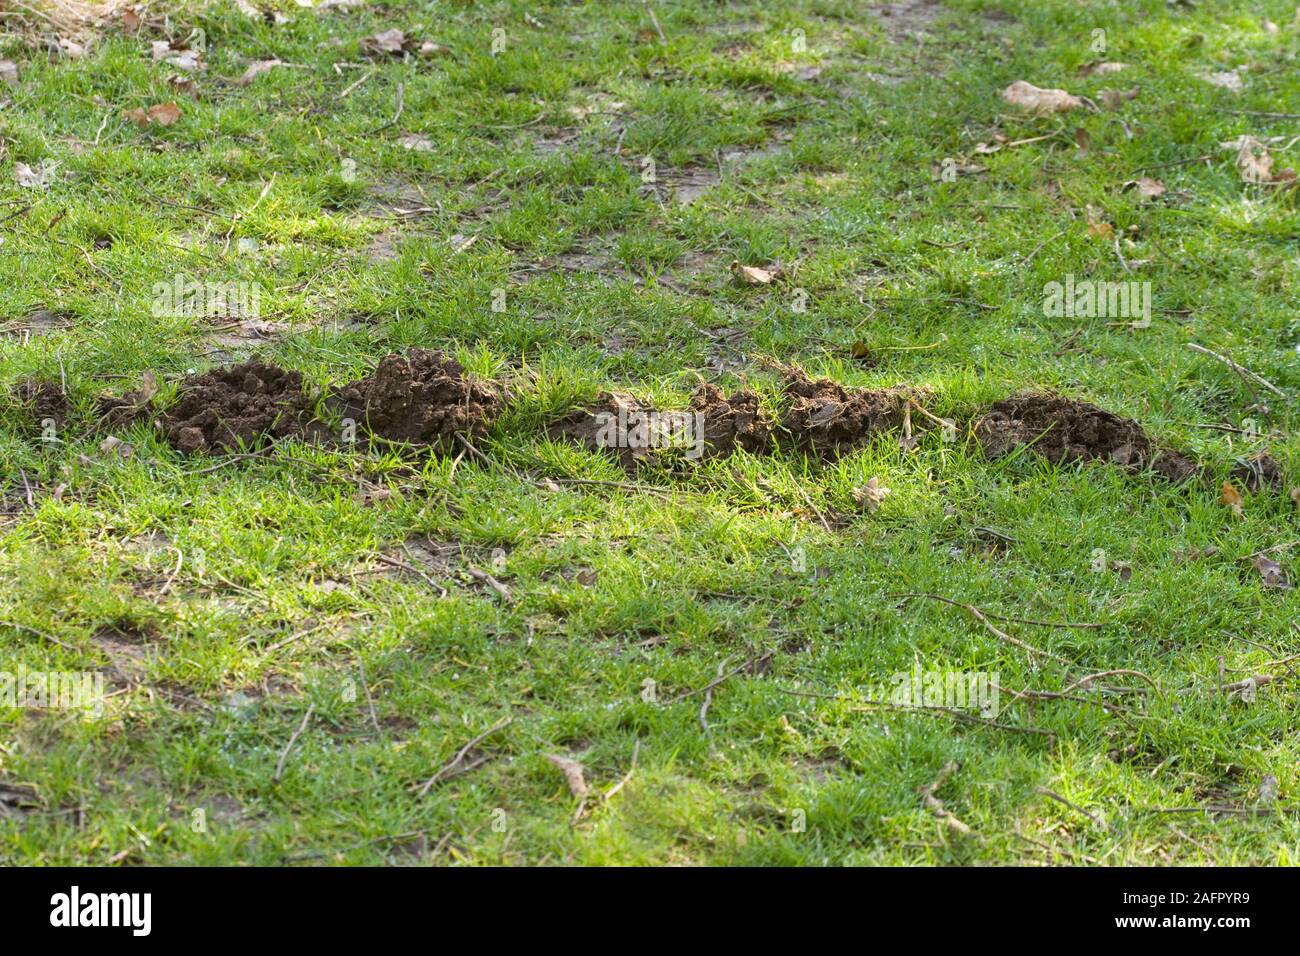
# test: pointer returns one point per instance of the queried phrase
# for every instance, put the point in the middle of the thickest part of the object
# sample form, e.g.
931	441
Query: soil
45	399
731	423
826	418
1064	430
422	398
229	409
1260	473
585	425
112	412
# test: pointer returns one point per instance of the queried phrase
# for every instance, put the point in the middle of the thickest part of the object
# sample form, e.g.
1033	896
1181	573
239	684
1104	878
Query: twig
1083	681
1096	821
31	630
1239	369
935	805
752	662
449	768
490	581
612	791
708	698
370	701
995	631
279	767
655	20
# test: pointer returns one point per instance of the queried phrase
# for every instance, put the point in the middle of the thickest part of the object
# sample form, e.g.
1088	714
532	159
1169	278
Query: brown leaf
1272	573
388	43
587	578
1230	496
1097	226
1029	97
871	494
162	114
1113	99
573	774
130	20
752	275
257	69
183	84
1147	188
30	178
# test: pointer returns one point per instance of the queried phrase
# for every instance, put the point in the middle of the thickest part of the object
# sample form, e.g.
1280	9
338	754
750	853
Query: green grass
255	586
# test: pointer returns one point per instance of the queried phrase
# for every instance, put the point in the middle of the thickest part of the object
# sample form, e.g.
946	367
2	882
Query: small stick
1073	806
935	805
708	699
720	678
31	630
1083	681
491	582
1239	369
996	632
279	767
655	20
451	766
370	701
612	791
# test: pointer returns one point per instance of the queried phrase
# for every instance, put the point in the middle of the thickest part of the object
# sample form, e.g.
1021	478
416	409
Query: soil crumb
827	418
44	399
1260	473
1064	430
229	409
422	398
731	423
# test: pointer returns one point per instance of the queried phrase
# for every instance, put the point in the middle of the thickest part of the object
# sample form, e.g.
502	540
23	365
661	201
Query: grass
233	606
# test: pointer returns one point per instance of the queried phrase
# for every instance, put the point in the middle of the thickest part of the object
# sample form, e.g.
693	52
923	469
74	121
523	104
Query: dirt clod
827	418
604	425
45	399
1260	473
1065	430
228	409
422	398
734	422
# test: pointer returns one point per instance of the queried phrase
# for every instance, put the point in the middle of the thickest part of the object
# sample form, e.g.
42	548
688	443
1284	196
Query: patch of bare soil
1260	473
127	650
229	409
734	422
113	412
37	322
44	399
422	398
905	18
1065	430
827	418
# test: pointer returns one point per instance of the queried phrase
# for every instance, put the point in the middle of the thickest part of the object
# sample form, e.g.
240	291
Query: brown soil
44	399
422	398
112	412
227	409
730	423
1064	430
826	418
1260	473
584	425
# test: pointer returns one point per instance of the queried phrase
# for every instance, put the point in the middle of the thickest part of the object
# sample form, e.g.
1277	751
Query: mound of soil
422	398
730	423
1064	430
1260	473
45	399
608	417
827	418
227	409
112	412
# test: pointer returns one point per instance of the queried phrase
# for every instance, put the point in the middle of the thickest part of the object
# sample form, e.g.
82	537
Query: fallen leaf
417	142
1101	69
30	178
1230	496
573	774
1229	80
9	72
1272	573
257	69
1029	97
1255	163
752	275
1113	99
162	114
116	448
1147	188
389	42
183	84
72	49
587	578
1097	226
429	48
871	494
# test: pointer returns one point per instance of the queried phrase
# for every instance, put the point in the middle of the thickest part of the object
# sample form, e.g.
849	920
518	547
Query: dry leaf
9	72
1272	573
573	774
1255	164
30	178
418	142
1113	99
1101	69
1029	97
183	84
1097	226
389	42
1230	496
116	448
162	114
1147	188
871	494
752	275
130	20
257	69
587	578
429	48
72	49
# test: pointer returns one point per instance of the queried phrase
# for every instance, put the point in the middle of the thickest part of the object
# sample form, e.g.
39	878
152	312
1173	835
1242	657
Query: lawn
327	641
